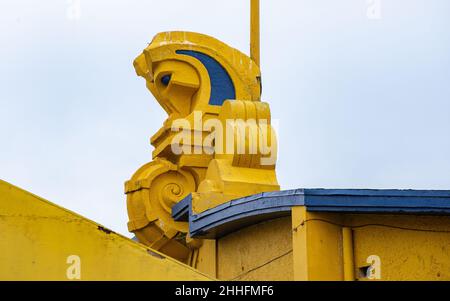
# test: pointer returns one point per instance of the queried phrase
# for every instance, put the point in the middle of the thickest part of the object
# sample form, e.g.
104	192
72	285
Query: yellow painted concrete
39	241
317	247
213	170
385	247
256	253
206	259
414	254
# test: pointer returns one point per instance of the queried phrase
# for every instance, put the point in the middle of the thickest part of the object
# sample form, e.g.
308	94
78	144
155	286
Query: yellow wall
406	247
257	253
317	247
333	247
404	254
37	238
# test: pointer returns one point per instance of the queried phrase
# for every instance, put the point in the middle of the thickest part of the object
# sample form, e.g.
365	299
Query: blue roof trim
222	87
243	212
181	210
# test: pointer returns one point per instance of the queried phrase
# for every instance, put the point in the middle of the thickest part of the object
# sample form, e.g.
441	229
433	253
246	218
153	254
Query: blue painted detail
243	212
222	87
165	80
180	211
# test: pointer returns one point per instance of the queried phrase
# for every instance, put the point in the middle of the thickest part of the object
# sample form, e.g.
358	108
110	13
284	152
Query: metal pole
255	50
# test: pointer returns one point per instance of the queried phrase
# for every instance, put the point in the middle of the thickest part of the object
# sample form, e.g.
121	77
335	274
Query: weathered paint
206	260
407	231
317	247
38	238
261	252
348	254
420	253
409	247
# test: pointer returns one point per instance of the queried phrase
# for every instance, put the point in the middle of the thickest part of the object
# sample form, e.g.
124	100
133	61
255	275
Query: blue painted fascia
264	206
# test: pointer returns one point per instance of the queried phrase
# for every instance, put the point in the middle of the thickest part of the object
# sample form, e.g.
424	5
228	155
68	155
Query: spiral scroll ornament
151	194
165	191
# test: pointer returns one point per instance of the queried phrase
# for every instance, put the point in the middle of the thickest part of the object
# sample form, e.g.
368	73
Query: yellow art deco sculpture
199	80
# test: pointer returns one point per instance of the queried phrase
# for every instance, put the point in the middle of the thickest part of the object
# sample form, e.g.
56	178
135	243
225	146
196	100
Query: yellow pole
348	257
255	51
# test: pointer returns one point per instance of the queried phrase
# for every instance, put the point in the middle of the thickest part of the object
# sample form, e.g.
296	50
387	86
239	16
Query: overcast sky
362	95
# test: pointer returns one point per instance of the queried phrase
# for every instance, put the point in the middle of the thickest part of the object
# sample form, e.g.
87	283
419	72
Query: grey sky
361	103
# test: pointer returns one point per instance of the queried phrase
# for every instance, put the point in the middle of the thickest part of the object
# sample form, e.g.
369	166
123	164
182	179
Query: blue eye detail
165	80
222	87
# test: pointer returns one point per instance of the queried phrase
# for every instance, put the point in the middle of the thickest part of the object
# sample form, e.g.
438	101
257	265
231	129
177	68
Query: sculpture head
189	72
